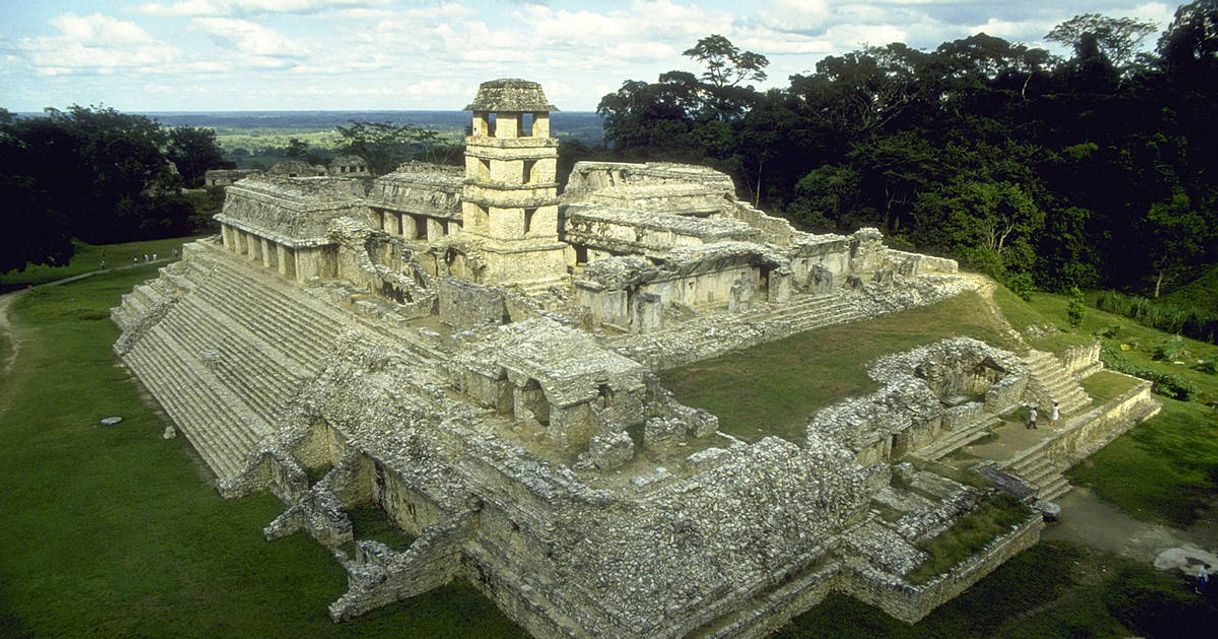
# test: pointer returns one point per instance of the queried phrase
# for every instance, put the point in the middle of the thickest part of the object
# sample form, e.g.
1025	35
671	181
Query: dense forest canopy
1096	169
1088	170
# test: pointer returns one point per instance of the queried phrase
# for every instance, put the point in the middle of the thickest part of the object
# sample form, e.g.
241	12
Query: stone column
287	261
269	253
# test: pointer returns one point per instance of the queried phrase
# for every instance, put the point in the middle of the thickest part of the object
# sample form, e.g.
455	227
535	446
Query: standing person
1031	418
1054	415
1203	578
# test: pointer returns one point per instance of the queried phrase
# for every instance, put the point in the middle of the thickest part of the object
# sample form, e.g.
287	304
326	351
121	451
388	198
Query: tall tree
1118	38
194	150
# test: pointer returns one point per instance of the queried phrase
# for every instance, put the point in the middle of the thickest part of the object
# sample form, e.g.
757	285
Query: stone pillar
780	284
435	230
254	243
648	313
286	261
269	253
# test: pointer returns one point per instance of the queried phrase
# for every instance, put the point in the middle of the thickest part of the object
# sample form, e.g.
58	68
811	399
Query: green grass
89	257
774	388
1200	294
1106	385
114	532
992	518
1053	590
1022	315
371	522
1166	469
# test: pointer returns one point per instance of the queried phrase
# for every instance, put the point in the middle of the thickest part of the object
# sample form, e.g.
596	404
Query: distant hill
583	125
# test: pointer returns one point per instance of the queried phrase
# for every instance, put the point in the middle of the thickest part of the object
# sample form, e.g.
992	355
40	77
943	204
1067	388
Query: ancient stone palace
475	355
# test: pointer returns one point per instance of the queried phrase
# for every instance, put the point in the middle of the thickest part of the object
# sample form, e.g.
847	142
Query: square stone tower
510	197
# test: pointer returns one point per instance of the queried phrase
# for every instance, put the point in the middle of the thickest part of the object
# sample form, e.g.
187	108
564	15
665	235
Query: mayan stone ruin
475	355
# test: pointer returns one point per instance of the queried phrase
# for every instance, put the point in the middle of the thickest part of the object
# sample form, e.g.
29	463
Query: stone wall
909	602
1082	361
1081	436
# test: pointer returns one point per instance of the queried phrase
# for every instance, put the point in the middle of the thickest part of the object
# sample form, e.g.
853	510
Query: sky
220	55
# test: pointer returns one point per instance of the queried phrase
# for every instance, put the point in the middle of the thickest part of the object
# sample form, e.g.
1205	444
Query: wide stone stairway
231	349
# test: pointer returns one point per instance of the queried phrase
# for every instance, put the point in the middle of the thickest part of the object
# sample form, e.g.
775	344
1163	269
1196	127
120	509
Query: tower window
528	220
526	125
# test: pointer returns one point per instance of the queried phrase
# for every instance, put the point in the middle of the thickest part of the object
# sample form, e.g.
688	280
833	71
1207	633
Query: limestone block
648	313
781	283
663	433
821	279
464	305
610	450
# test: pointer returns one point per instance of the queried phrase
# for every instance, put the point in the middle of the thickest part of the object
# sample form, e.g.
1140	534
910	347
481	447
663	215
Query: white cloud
95	44
251	38
209	8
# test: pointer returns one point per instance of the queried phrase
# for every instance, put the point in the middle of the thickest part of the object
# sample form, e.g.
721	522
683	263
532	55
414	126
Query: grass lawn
1105	385
114	532
969	535
1166	469
773	389
89	257
1053	590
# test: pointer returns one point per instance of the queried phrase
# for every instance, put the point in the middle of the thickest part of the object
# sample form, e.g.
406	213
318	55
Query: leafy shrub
1187	322
1076	310
1207	366
1170	350
1166	384
1021	284
1111	331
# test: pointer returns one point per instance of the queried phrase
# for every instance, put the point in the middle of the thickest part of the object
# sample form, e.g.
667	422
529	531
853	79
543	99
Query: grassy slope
88	257
113	532
1165	470
774	388
1201	294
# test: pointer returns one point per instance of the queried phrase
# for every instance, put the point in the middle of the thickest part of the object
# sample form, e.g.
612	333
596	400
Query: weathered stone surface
471	354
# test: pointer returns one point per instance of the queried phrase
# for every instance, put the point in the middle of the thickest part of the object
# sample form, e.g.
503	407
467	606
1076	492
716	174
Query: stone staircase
1053	382
1041	472
807	312
958	438
228	354
712	335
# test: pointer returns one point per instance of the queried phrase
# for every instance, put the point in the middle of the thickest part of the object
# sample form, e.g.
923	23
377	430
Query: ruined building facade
475	355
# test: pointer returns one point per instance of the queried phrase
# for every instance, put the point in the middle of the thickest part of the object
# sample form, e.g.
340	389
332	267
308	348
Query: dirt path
6	330
1090	521
6	300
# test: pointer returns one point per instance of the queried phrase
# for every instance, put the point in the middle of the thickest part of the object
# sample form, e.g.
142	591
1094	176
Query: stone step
248	369
1056	488
300	339
218	426
958	438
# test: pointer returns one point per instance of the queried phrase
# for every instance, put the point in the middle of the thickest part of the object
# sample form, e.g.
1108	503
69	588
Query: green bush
1076	310
1166	384
1208	366
1188	322
1021	284
1171	349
